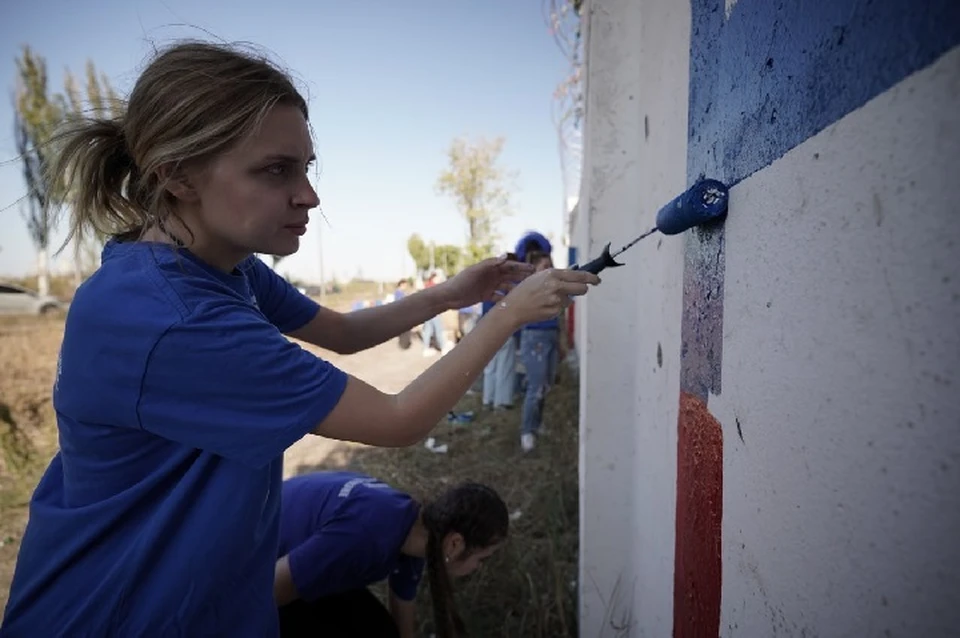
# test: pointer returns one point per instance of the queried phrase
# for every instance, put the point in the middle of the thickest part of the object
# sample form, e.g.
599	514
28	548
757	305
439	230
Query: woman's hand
545	294
488	280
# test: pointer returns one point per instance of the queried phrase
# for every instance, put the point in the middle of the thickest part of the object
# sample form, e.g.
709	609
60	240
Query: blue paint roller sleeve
704	202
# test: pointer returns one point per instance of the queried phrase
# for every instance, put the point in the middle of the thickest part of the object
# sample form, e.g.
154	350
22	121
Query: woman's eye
277	169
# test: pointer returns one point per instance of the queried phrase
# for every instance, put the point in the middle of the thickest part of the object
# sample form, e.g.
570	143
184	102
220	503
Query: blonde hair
194	100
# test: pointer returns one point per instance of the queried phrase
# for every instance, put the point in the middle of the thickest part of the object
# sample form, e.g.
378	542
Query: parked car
17	300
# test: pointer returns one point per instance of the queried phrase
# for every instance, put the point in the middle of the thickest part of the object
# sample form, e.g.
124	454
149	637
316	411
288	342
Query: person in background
433	327
405	338
177	388
532	241
467	319
500	374
541	346
341	532
401	290
528	242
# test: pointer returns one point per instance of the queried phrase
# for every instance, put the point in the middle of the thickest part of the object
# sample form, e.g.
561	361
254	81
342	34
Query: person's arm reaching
355	331
256	393
366	415
348	333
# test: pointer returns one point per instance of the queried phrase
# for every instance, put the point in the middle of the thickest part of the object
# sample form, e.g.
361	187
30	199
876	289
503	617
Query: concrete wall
770	428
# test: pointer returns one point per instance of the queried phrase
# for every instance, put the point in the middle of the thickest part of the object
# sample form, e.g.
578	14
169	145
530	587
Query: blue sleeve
281	303
405	579
226	381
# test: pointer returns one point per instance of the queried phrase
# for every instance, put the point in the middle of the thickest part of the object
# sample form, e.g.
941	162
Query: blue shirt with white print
176	395
344	531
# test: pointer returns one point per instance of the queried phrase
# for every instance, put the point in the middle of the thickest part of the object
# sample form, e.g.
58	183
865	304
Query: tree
36	116
102	102
447	257
481	190
419	252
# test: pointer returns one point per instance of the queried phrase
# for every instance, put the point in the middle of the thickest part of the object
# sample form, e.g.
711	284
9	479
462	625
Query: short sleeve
226	381
405	579
280	302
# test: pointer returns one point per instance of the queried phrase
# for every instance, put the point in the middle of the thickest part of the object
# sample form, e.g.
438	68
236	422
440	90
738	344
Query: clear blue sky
390	85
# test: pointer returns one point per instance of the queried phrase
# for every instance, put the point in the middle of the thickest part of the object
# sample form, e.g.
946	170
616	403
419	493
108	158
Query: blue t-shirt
344	531
176	395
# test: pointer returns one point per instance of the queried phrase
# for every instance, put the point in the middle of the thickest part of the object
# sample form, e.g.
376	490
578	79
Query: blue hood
542	242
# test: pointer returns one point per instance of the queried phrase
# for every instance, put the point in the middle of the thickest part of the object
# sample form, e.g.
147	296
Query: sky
390	84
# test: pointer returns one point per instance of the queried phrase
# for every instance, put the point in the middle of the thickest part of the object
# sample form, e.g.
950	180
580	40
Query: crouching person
341	532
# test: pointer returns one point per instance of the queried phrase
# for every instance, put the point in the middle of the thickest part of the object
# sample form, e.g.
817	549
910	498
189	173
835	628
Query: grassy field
526	590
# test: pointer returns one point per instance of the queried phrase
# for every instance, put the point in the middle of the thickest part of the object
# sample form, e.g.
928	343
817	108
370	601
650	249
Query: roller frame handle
602	262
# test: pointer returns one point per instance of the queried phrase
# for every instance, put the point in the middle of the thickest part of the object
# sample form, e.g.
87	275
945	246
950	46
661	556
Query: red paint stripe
697	561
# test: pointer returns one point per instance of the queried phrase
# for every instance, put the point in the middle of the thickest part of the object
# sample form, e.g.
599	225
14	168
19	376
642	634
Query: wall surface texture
770	408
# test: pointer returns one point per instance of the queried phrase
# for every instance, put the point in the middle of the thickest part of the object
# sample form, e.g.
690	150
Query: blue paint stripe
778	72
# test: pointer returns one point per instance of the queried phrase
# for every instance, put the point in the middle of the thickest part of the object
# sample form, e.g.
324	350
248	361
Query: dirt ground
526	590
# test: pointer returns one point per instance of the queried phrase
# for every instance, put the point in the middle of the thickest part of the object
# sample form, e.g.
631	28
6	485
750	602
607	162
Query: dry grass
528	588
28	358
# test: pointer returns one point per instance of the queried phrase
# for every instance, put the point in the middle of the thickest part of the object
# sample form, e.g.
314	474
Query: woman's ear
453	546
175	180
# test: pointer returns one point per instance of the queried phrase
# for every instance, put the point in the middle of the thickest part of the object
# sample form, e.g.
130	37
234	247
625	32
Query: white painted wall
840	356
628	403
841	347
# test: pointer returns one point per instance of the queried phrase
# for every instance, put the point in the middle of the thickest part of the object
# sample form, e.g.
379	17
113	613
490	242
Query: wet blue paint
778	72
763	81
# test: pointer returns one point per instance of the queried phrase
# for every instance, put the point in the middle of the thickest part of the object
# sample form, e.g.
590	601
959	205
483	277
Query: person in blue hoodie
531	241
343	531
501	379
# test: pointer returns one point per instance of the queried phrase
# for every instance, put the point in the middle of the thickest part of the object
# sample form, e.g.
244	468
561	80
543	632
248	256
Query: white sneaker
429	353
527	442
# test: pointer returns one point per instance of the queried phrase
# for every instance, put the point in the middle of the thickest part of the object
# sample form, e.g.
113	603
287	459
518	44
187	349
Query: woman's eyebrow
293	159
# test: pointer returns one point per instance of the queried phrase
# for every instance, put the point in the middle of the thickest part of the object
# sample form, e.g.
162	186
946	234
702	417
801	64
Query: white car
16	300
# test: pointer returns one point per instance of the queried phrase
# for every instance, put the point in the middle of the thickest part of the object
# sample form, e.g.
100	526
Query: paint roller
702	203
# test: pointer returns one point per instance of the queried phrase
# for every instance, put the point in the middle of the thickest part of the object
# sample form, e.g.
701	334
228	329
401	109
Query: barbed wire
567	108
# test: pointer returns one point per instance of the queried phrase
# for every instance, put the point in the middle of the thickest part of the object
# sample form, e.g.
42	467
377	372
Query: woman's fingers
577	276
571	288
516	269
